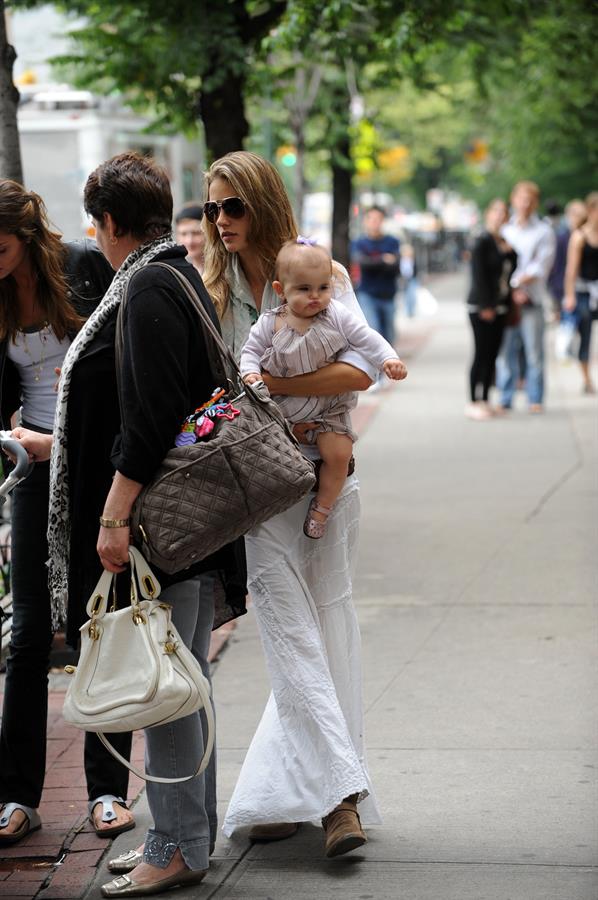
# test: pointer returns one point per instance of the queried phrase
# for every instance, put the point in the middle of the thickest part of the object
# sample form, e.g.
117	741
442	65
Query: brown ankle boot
343	828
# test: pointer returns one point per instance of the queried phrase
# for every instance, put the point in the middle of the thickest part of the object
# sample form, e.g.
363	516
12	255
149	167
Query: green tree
184	61
343	38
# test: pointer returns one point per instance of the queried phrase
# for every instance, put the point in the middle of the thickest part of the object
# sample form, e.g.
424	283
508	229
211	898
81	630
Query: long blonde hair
271	219
23	214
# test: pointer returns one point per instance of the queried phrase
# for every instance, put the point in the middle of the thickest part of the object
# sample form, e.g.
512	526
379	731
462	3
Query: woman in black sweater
107	448
492	264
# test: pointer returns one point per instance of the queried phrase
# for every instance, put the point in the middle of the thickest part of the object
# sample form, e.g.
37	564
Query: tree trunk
223	115
10	151
342	179
300	183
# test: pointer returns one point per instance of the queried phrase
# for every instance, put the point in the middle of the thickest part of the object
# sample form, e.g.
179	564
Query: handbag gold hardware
70	670
149	585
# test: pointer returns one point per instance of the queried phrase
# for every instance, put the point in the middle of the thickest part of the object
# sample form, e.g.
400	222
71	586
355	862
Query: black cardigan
165	375
488	265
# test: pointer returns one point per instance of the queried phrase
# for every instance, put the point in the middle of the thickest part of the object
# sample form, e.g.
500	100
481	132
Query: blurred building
66	133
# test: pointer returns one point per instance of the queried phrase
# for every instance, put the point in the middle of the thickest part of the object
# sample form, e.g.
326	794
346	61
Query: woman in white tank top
47	287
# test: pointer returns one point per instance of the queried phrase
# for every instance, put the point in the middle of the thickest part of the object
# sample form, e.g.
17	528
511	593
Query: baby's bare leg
335	450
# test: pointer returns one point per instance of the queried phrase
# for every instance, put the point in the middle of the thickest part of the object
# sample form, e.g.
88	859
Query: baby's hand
395	369
252	378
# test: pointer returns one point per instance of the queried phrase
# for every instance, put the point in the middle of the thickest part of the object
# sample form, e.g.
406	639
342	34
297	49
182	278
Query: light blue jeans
380	314
411	286
184	814
530	332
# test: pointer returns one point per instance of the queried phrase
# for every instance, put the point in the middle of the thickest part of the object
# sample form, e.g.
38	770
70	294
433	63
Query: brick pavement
59	861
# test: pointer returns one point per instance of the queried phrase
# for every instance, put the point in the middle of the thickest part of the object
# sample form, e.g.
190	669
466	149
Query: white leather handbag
134	670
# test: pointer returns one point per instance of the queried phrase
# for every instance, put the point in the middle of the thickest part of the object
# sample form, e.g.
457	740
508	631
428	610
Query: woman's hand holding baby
395	369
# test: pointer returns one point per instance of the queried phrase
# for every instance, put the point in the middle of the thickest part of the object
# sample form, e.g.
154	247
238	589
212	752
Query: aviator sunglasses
232	206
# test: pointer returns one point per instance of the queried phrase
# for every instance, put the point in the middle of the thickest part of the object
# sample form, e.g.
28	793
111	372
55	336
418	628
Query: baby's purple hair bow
310	242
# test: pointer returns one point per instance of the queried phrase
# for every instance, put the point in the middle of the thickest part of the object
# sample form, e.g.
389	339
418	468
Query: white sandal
31	823
108	815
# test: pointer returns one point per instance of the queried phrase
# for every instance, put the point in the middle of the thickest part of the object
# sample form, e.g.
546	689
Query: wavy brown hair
23	214
271	219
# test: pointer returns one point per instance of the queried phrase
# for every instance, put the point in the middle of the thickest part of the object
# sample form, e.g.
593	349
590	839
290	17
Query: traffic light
287	155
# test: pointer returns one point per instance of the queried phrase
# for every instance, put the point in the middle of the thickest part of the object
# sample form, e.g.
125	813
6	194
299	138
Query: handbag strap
226	358
226	355
203	763
220	358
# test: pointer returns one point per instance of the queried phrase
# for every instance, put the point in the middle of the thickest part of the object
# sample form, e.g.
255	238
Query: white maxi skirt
307	754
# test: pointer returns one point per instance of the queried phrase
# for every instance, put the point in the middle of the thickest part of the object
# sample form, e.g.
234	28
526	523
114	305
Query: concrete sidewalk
476	593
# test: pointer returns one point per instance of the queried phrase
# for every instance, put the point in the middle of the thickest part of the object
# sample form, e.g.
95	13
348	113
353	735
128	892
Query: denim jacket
88	275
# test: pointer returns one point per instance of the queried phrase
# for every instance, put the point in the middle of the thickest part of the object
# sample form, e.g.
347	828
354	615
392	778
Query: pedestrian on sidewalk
189	232
108	443
377	255
493	262
533	241
408	266
47	289
306	761
575	216
305	333
581	284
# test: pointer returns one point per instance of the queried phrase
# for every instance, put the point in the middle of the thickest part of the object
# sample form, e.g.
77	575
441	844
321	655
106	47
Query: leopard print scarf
59	511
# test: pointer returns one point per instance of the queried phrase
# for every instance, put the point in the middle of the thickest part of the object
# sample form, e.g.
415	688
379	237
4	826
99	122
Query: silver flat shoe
126	862
123	886
130	859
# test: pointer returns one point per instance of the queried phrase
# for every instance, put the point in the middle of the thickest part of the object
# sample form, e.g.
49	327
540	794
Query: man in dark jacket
377	255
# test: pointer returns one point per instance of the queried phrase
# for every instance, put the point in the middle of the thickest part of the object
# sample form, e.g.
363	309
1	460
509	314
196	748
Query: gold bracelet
114	523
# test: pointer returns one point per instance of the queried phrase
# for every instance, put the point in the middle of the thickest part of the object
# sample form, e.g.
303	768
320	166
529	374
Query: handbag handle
142	580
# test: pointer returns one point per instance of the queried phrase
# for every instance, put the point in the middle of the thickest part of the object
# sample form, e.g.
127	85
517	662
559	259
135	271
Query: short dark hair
135	190
377	209
190	211
553	208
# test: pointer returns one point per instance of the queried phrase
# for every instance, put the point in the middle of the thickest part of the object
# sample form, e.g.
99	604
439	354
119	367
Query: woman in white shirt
47	289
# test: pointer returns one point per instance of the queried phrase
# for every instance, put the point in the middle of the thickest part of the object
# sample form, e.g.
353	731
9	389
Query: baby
305	333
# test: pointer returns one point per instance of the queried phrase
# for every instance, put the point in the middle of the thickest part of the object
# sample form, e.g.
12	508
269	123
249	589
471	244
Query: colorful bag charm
201	423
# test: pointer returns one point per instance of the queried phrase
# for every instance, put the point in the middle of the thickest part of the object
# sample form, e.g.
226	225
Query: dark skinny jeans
487	338
25	711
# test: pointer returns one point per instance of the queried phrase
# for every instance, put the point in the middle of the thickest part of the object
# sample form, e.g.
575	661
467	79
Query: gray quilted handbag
207	494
